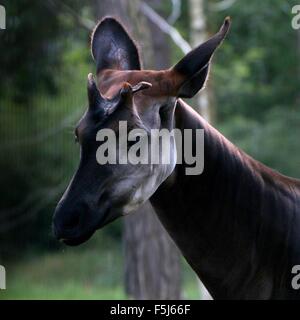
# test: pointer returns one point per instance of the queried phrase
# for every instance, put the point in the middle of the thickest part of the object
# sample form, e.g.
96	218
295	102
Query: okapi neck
225	220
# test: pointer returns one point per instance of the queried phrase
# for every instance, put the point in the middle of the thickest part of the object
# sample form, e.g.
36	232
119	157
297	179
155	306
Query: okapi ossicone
237	224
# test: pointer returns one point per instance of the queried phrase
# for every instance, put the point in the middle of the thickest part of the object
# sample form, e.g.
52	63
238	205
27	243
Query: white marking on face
158	174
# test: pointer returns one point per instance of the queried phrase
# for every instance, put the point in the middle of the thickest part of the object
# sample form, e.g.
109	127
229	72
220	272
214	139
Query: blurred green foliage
257	66
256	82
38	154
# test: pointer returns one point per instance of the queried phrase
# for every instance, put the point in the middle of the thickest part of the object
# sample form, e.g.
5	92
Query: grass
70	273
92	271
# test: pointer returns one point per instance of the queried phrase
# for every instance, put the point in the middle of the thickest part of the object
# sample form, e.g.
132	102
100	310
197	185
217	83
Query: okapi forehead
164	83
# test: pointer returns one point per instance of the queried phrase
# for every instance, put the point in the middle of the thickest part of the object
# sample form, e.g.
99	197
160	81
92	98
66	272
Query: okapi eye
76	139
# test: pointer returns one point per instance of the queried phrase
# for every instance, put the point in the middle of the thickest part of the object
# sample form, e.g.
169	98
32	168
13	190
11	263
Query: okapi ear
113	48
193	69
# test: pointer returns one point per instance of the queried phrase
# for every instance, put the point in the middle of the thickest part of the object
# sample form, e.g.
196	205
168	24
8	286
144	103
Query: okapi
237	224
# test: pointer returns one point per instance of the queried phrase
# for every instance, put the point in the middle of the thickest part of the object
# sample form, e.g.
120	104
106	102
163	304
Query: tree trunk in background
204	98
198	36
152	266
152	262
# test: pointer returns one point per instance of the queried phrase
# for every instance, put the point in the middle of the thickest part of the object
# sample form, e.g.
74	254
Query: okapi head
98	194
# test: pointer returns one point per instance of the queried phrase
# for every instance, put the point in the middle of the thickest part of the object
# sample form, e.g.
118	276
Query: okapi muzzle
145	99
